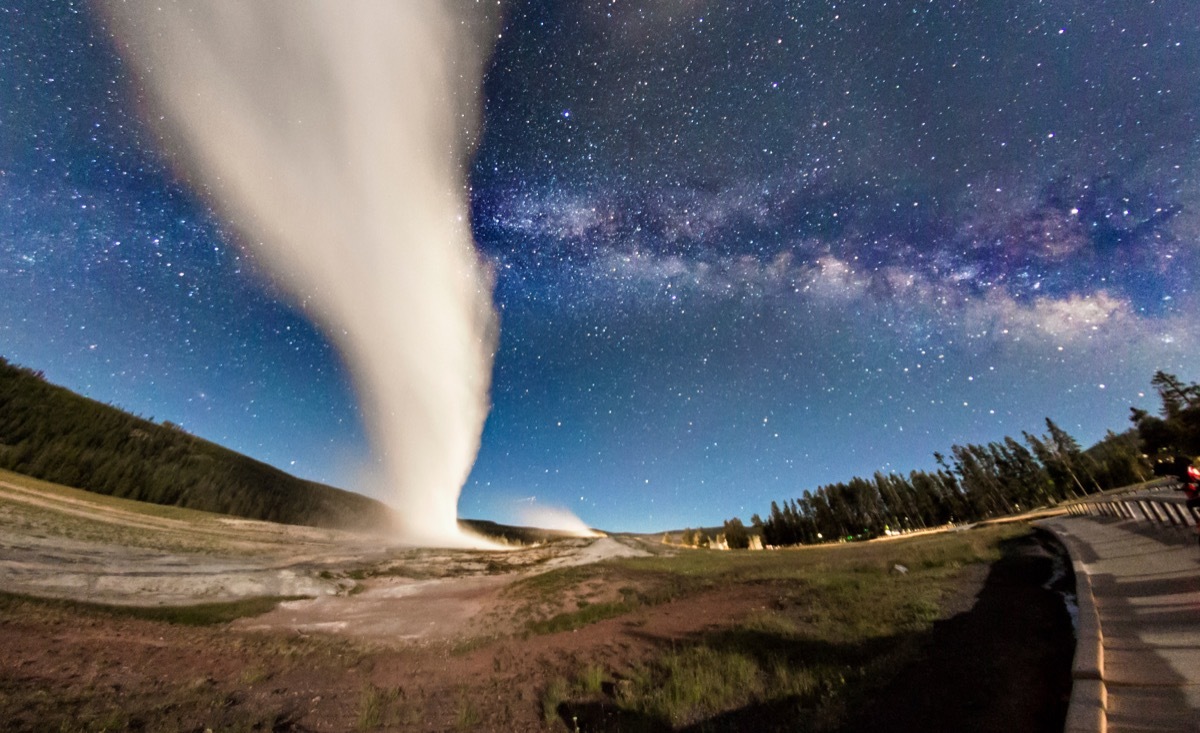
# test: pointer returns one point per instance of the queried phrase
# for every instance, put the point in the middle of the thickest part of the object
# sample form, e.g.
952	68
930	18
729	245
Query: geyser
335	136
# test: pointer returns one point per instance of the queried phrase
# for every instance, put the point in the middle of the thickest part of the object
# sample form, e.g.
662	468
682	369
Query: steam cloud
556	518
335	135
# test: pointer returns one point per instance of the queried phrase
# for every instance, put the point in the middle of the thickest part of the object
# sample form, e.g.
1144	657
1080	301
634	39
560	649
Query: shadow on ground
1004	665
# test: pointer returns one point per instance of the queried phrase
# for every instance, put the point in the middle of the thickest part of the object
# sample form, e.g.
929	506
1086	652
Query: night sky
742	249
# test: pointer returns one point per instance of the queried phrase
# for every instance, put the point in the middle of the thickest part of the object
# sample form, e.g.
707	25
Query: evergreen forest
53	434
976	482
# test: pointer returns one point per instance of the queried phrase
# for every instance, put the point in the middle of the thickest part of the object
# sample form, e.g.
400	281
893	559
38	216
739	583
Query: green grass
696	683
844	572
200	614
547	586
557	692
841	620
375	706
466	715
388	708
590	680
571	620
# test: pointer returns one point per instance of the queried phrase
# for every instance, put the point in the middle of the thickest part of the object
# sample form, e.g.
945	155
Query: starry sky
742	249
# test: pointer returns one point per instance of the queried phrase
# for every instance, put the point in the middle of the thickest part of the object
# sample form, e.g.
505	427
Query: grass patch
375	706
571	620
555	583
662	590
557	692
254	674
590	680
588	684
696	683
841	621
847	575
466	715
386	707
561	591
200	614
471	644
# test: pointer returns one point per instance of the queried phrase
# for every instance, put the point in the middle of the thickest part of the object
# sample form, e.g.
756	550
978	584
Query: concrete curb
1087	711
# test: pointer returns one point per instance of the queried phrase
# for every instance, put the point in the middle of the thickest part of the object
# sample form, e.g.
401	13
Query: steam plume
556	518
335	135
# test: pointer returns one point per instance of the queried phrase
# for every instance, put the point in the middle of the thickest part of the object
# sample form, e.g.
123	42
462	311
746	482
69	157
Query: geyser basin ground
523	640
74	545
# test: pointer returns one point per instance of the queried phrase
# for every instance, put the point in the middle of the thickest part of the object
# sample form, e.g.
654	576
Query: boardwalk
1140	669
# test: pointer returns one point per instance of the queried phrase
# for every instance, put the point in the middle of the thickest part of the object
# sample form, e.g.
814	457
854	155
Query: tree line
733	535
51	433
975	482
1177	430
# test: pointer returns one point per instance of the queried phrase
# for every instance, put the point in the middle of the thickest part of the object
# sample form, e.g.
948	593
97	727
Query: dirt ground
405	639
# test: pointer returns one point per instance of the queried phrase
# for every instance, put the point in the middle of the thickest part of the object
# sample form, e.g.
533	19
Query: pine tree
1072	455
1176	396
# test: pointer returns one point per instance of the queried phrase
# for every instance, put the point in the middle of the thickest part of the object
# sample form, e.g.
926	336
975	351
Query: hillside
51	433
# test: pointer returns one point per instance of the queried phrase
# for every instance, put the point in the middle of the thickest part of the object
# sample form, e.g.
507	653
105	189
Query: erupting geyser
335	135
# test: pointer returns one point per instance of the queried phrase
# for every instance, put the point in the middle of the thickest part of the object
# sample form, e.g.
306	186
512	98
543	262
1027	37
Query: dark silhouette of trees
1119	460
51	433
975	482
736	534
1176	396
1177	431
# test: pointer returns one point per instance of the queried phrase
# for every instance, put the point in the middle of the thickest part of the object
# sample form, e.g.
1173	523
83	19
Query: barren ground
536	638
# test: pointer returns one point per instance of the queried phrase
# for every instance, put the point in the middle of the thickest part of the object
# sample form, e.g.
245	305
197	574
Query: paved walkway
1144	657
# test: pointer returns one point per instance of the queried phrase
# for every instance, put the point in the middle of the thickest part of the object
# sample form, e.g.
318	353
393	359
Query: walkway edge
1087	710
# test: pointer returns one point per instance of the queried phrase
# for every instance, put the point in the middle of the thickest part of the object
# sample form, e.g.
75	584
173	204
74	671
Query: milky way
741	250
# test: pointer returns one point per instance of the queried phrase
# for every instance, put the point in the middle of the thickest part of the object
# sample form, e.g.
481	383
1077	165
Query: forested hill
51	433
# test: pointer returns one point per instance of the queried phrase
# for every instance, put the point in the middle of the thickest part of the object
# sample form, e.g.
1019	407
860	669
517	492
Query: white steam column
335	136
